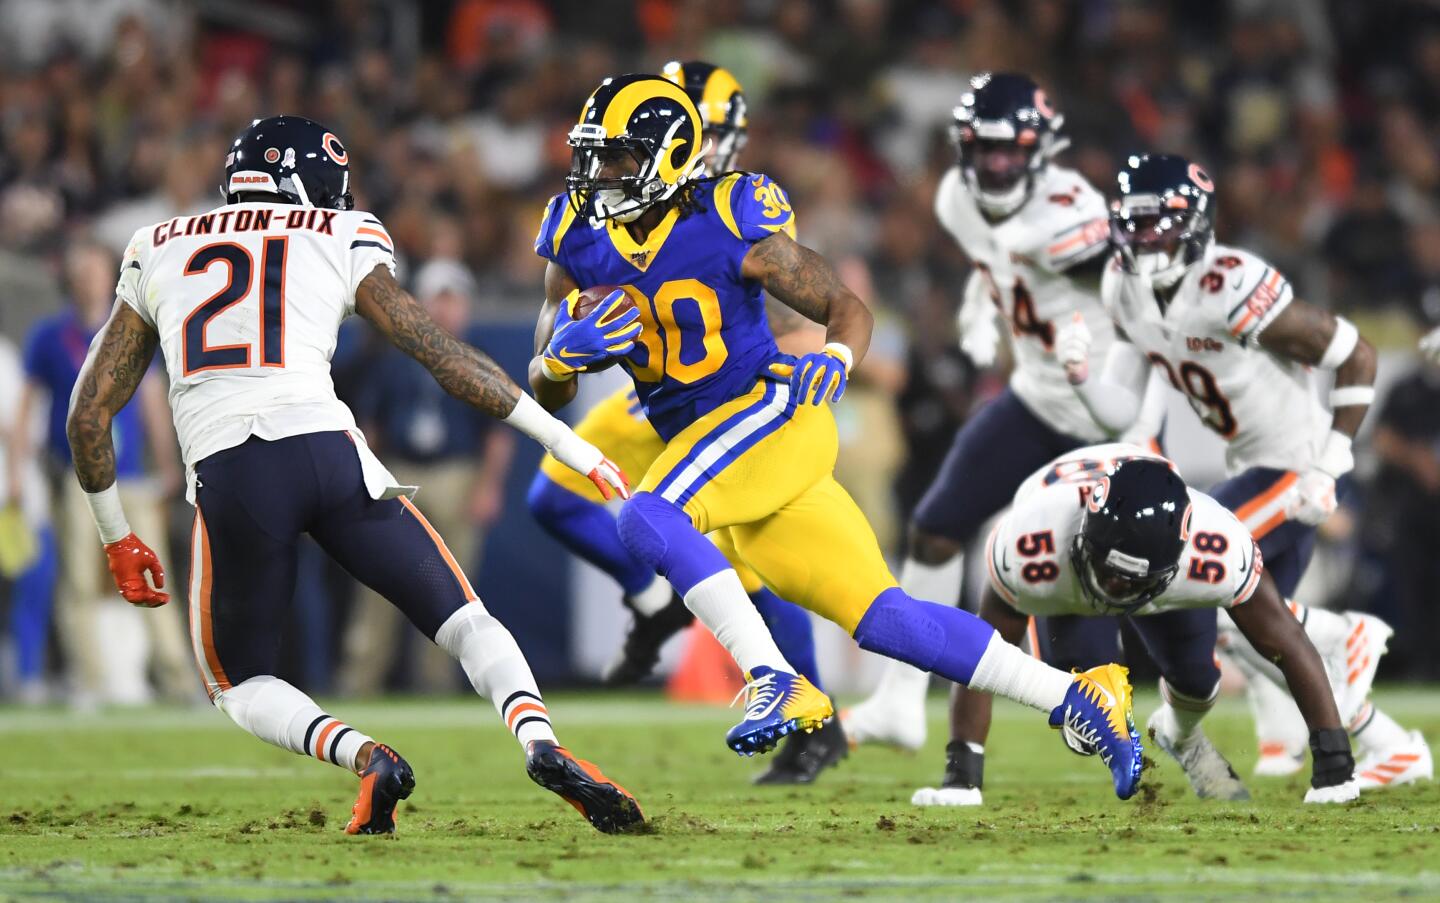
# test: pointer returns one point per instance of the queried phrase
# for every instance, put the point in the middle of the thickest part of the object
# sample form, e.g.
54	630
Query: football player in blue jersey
573	511
750	443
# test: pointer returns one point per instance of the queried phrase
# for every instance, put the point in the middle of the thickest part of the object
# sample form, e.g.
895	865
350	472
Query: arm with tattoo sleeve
112	372
474	378
462	371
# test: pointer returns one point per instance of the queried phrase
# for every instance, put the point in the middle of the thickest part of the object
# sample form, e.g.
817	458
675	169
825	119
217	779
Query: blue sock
587	529
938	638
661	535
790	626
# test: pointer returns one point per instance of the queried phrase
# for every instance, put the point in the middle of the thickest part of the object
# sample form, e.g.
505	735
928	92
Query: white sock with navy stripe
497	670
279	714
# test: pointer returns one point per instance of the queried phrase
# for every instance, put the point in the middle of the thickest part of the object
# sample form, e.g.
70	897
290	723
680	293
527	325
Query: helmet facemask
1159	241
723	145
1116	583
618	178
999	163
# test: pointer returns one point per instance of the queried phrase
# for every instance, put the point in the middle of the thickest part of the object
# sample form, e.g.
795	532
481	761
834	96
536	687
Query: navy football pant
252	504
1257	496
991	456
1181	643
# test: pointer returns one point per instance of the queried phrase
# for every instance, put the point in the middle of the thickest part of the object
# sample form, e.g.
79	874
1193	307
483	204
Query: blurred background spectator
1320	121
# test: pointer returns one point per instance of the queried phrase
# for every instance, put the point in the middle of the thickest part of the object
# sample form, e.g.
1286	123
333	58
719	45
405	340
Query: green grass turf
182	804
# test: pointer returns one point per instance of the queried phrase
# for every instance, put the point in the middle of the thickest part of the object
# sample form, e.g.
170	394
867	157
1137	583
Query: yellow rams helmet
723	113
637	142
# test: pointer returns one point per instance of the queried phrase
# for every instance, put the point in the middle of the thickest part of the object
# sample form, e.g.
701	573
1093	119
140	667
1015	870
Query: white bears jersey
248	301
1024	259
1207	345
1028	552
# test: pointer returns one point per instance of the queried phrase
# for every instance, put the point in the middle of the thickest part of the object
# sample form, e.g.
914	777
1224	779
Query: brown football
592	296
588	301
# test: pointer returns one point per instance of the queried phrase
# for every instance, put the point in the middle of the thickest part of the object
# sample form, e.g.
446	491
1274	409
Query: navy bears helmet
1164	218
1136	525
1005	132
637	142
300	161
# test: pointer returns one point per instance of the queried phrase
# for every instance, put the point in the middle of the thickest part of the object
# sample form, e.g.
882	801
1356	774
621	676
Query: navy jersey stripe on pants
253	503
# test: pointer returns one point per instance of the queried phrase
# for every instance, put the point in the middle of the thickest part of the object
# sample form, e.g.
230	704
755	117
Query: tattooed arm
461	370
804	281
113	370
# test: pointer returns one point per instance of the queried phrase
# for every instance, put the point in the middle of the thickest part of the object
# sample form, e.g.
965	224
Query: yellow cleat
777	703
1097	716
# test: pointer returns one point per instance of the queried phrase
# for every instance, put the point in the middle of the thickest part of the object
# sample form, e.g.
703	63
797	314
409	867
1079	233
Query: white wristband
841	351
1336	458
109	515
534	421
1341	344
1350	396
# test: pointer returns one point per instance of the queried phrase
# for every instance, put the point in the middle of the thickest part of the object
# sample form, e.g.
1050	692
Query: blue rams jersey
705	338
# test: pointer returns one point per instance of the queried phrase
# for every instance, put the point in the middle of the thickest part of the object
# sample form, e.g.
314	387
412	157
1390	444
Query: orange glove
129	559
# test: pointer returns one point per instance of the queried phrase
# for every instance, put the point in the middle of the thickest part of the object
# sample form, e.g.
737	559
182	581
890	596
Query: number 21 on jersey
242	275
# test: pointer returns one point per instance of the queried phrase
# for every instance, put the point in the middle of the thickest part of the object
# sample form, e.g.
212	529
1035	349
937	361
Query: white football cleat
947	796
889	719
1347	792
1403	764
1276	761
1209	773
1364	646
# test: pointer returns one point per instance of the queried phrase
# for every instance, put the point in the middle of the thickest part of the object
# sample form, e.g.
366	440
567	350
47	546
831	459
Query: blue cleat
1096	717
778	703
386	780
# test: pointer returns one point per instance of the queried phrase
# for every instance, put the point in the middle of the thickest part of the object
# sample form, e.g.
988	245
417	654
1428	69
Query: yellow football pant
760	469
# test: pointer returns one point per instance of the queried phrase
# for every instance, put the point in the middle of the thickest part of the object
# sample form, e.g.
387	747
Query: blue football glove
597	337
821	375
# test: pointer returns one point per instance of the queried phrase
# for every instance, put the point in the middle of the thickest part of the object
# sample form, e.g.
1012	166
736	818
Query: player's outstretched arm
805	282
112	372
1115	399
471	376
462	371
553	394
1276	634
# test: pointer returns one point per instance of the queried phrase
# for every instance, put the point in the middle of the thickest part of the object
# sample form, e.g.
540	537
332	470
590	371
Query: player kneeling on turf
245	303
1113	530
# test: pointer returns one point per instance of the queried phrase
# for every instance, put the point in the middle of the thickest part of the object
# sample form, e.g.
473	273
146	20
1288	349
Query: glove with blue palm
821	376
607	331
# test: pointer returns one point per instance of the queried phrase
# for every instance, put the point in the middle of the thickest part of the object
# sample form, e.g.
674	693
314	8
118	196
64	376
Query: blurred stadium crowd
1318	119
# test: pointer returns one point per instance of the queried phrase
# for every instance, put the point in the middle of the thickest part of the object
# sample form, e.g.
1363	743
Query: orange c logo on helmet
1199	177
1099	493
334	148
1042	103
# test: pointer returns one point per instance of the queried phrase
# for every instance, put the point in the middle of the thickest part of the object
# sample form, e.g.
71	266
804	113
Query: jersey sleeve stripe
1256	567
995	580
375	232
1258	303
723	190
373	221
370	244
567	216
1086	236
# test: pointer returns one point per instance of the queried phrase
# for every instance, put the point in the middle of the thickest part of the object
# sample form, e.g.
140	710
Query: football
588	300
591	297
